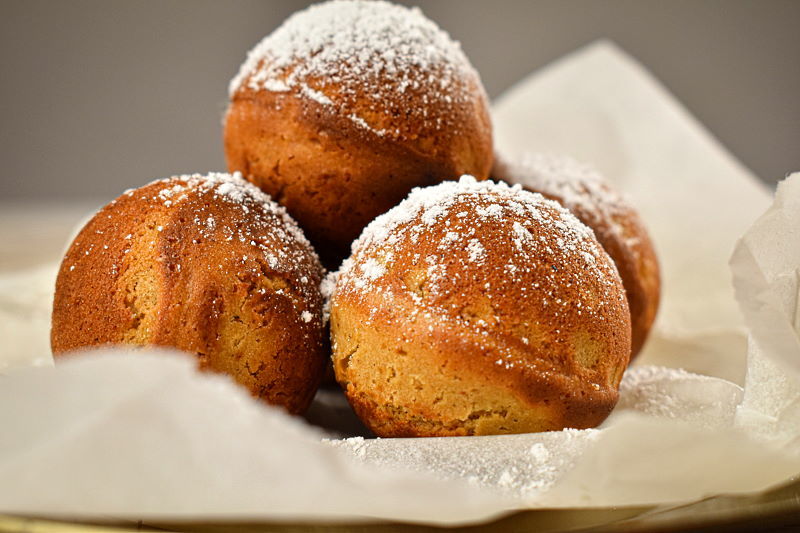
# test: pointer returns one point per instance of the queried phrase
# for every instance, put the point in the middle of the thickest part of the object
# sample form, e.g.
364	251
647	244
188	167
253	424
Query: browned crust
633	253
419	363
335	176
123	281
635	257
615	222
446	383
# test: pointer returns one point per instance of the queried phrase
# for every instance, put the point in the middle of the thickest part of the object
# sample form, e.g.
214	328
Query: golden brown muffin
205	264
616	224
475	308
346	107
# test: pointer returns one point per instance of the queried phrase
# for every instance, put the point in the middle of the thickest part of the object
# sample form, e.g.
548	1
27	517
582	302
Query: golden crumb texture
479	310
204	264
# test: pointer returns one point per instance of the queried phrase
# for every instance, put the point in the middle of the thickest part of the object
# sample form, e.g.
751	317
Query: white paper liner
26	302
766	266
766	274
116	434
139	436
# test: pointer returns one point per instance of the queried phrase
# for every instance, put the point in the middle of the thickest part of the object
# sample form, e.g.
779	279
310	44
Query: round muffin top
240	223
207	264
484	254
253	219
368	60
577	186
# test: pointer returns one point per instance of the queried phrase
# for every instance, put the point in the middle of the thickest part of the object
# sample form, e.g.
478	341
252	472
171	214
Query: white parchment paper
115	434
766	268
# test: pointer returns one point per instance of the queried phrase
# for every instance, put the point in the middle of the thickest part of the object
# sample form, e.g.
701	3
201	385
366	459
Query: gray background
99	96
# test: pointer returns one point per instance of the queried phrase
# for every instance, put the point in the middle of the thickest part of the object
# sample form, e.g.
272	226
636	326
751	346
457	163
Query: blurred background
98	96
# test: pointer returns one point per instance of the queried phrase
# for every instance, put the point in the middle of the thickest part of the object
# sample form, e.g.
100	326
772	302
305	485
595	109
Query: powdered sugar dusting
501	238
338	51
522	236
679	395
580	188
517	466
476	251
231	188
266	239
372	269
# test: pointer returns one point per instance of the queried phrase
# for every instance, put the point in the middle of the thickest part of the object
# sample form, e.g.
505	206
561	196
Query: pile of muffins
469	294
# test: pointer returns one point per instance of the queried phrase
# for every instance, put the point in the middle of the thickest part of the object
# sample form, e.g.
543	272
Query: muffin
475	308
346	107
616	224
205	264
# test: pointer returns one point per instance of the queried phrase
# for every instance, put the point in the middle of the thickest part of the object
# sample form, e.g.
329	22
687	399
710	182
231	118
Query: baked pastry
476	308
205	264
616	224
346	107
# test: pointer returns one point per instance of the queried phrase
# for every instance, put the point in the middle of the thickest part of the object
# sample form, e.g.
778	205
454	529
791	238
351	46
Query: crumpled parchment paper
145	436
766	275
